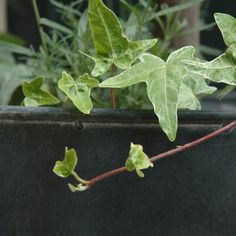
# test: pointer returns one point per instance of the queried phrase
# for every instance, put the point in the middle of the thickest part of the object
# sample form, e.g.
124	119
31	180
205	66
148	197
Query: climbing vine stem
174	151
113	91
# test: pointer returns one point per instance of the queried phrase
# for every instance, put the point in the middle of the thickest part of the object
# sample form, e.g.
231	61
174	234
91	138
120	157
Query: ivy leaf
78	90
35	96
66	167
163	80
187	99
221	69
137	160
192	87
227	26
198	84
111	44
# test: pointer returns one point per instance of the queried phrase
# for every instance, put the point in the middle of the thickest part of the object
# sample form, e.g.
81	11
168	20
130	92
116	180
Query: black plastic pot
192	193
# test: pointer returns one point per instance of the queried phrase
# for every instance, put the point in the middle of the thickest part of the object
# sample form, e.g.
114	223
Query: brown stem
113	98
112	91
165	154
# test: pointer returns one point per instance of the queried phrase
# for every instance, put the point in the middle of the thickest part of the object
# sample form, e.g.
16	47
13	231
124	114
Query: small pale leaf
66	167
79	187
78	90
137	160
35	96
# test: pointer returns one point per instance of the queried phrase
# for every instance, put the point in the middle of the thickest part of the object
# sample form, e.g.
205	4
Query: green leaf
78	90
15	48
198	84
66	167
137	160
187	99
35	96
11	77
232	51
111	44
55	25
225	91
163	80
176	8
227	26
220	70
193	86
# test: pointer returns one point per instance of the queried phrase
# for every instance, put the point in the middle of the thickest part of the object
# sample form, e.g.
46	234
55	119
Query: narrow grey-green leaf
137	160
14	48
176	8
11	77
66	167
111	44
225	91
35	96
163	81
78	91
55	25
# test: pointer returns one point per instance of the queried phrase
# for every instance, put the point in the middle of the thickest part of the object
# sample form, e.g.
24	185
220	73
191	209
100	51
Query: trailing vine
171	84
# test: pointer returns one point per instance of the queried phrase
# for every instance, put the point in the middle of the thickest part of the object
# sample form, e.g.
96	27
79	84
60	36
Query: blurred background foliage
45	41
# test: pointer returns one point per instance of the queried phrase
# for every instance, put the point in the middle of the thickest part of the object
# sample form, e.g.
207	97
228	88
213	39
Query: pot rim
100	115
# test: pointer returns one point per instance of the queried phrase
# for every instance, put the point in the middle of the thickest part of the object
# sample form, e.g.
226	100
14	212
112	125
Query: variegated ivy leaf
78	90
137	160
66	167
193	86
227	26
111	44
163	79
187	99
35	96
221	69
198	85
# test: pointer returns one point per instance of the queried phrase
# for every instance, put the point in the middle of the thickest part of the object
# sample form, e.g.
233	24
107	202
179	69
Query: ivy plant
171	84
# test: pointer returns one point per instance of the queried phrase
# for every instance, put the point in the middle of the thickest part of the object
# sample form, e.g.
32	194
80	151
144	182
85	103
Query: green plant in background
58	52
171	84
60	45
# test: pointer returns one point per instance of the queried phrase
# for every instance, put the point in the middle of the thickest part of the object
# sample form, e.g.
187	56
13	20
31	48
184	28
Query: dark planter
193	193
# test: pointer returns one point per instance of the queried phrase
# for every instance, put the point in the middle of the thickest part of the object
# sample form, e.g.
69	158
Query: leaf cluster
174	83
62	41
